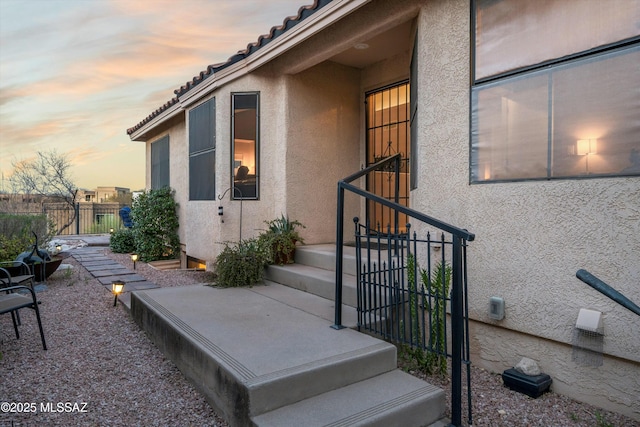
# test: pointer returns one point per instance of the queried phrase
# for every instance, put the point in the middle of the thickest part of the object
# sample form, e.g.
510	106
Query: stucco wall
206	230
532	237
323	138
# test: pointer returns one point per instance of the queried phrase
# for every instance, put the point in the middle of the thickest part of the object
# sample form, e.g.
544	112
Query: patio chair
17	273
11	301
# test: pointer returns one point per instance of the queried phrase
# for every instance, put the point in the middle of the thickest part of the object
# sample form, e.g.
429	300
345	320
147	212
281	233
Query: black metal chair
13	298
16	273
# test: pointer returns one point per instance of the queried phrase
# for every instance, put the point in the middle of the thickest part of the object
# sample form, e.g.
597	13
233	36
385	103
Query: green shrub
16	233
241	264
122	241
11	247
155	229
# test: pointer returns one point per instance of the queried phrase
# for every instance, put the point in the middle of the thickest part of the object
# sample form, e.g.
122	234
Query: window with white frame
555	91
202	151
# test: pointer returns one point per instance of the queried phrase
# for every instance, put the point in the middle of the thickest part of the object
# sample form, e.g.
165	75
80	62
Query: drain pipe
220	197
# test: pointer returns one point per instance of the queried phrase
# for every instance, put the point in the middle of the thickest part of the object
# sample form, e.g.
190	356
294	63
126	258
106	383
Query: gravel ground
98	356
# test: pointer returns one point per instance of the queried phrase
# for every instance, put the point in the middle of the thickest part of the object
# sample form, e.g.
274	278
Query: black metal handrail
458	238
607	290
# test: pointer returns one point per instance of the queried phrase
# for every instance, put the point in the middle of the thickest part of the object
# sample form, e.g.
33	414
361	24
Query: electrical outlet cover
496	308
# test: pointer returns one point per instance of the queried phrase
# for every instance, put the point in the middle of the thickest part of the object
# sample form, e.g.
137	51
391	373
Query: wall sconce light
134	258
116	288
220	212
586	146
111	231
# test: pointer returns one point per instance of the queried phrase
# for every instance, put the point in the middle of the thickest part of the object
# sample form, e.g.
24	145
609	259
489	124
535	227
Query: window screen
202	144
160	163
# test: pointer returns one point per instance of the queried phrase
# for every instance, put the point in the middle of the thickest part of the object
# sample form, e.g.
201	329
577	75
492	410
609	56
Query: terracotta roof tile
288	23
155	113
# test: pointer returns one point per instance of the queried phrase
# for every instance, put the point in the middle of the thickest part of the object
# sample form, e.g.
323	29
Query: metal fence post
77	208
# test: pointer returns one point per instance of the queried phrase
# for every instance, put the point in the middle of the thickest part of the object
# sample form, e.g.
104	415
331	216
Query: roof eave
307	28
142	133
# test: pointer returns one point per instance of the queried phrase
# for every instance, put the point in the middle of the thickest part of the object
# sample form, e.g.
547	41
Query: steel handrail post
339	253
456	332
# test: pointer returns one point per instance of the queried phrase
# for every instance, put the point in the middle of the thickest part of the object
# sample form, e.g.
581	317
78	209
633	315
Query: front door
388	133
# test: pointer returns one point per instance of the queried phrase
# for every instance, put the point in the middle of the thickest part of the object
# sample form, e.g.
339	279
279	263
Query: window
574	116
160	163
245	114
202	146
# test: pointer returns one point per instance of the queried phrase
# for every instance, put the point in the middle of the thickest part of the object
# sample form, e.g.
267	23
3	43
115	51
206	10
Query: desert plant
281	238
16	233
122	241
438	286
155	232
241	263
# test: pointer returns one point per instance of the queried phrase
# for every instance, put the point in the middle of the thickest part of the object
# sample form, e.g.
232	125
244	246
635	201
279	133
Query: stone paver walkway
108	271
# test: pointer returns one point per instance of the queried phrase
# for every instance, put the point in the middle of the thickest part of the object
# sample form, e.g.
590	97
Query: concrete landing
252	352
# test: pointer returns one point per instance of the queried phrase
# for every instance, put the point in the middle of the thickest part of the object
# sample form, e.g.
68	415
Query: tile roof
288	23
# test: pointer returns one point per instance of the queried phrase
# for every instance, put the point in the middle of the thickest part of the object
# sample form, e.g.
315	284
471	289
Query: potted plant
281	237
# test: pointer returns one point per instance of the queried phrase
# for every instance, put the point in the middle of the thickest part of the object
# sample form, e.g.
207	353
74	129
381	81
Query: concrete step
249	353
314	280
324	256
390	399
307	302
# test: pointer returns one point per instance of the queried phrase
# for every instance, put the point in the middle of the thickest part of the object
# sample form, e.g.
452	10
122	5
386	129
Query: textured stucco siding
323	138
205	229
532	237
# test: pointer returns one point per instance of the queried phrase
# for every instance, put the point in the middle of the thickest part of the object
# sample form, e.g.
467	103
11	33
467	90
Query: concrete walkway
267	356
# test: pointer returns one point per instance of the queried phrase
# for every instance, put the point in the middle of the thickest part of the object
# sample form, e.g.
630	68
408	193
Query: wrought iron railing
390	301
607	290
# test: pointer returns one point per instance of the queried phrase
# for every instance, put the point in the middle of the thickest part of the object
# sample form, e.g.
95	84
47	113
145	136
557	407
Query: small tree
155	225
47	175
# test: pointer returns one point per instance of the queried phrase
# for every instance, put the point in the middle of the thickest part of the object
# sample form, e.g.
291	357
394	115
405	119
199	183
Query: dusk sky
75	74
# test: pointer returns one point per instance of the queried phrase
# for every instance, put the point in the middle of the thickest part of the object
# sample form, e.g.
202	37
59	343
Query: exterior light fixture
58	248
134	258
111	230
117	287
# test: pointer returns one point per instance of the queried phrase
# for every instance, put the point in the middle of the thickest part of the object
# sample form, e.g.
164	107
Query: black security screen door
388	133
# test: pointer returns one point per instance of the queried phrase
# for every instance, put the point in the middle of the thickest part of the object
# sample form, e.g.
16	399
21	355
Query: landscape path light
134	258
117	287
